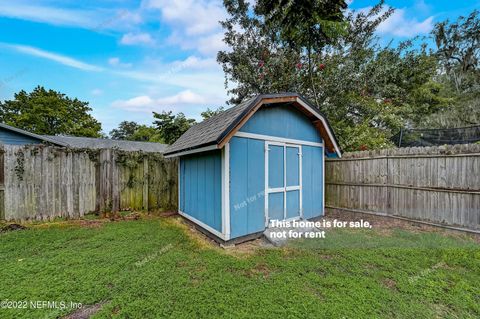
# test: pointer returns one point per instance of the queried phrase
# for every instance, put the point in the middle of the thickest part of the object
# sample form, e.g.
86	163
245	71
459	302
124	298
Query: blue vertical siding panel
312	178
202	200
193	202
282	121
210	197
201	187
238	186
186	189
217	222
307	177
318	181
247	183
256	185
181	193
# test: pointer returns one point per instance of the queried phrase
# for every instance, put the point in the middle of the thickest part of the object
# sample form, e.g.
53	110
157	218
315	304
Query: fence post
145	184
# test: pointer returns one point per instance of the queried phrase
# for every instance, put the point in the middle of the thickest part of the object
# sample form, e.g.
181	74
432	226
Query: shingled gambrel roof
216	131
208	131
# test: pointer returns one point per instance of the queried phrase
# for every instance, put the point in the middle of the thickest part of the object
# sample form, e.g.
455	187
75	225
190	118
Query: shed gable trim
193	151
236	125
276	139
321	123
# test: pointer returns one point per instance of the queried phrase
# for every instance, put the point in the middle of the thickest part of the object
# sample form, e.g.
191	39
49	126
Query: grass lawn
157	267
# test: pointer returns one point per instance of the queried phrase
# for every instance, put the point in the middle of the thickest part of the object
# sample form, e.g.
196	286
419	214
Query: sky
129	58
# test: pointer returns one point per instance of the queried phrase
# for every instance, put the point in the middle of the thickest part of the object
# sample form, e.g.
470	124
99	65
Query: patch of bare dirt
168	214
85	312
12	227
132	216
248	248
259	270
241	250
90	223
389	283
193	233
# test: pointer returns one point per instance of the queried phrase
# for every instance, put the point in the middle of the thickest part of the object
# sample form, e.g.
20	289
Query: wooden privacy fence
435	184
43	182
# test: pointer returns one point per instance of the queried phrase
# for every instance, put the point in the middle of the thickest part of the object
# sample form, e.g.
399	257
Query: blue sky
129	58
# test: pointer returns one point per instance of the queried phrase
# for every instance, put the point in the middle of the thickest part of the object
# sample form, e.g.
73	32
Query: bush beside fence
435	184
42	182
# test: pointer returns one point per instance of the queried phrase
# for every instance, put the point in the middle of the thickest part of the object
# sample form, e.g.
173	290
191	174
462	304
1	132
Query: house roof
99	143
42	138
216	131
89	142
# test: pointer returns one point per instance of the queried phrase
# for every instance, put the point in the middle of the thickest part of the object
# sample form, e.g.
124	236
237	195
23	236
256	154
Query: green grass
155	268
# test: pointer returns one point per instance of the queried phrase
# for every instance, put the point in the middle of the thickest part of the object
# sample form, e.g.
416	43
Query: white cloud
401	26
212	44
62	59
195	17
191	63
95	20
196	24
421	6
96	92
50	15
116	62
193	72
137	38
145	103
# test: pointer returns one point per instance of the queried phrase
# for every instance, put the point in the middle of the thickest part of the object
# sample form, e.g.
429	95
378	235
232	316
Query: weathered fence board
436	184
43	182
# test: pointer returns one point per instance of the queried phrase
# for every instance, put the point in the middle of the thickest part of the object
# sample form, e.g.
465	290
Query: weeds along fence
436	184
43	182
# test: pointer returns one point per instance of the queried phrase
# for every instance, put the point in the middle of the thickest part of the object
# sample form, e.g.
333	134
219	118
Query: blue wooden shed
258	161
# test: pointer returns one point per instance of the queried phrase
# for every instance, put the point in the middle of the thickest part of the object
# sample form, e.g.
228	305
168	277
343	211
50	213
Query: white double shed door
283	181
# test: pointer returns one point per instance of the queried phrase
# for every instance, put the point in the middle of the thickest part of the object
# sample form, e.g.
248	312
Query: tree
304	26
49	113
367	91
458	53
132	131
209	113
170	126
124	131
458	48
146	133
